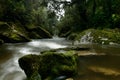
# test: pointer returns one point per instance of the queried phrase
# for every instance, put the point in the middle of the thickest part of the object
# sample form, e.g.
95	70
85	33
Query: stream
103	64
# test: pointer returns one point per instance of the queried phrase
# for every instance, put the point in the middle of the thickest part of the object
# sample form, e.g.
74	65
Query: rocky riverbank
15	33
99	36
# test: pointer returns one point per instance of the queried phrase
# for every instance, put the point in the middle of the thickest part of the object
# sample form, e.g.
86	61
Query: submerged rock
50	65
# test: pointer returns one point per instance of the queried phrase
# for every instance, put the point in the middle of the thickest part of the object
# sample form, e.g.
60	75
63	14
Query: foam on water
51	45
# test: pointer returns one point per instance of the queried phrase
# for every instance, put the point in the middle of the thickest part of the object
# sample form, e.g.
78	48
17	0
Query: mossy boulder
9	34
14	32
30	64
35	76
104	36
13	38
37	32
50	65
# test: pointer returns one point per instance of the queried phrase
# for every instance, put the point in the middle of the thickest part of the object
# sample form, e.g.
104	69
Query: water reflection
99	67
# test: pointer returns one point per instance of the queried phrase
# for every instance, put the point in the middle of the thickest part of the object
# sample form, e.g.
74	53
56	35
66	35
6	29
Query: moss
34	35
39	33
35	76
11	33
17	37
110	35
30	26
72	36
104	36
30	64
56	63
14	32
50	64
13	38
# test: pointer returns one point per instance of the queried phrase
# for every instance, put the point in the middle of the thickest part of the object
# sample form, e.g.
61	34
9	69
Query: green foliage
27	12
79	14
85	14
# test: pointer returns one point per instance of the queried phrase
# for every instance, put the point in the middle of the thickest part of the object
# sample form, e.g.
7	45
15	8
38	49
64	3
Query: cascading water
86	39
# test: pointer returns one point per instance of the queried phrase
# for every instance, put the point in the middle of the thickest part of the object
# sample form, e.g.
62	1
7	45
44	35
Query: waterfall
86	39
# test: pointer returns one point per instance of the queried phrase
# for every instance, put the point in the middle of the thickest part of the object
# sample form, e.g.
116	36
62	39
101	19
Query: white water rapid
10	53
86	39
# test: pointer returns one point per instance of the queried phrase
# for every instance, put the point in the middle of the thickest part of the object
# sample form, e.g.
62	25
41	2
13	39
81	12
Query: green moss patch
104	36
50	65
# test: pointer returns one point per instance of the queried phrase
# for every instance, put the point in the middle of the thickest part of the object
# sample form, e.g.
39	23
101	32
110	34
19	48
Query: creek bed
101	63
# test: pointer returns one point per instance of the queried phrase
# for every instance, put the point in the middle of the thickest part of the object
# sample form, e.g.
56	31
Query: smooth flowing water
10	53
94	65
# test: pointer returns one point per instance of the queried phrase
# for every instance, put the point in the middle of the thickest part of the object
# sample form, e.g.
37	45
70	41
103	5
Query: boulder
38	32
104	36
13	38
9	34
50	65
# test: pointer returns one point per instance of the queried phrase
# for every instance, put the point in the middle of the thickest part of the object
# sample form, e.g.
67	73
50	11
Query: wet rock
30	64
50	65
105	36
10	35
38	32
35	76
16	32
76	50
13	38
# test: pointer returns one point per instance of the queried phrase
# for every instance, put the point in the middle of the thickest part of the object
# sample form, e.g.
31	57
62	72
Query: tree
84	14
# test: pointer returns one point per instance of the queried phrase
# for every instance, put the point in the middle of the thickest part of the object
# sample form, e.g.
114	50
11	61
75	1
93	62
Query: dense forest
85	14
40	18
